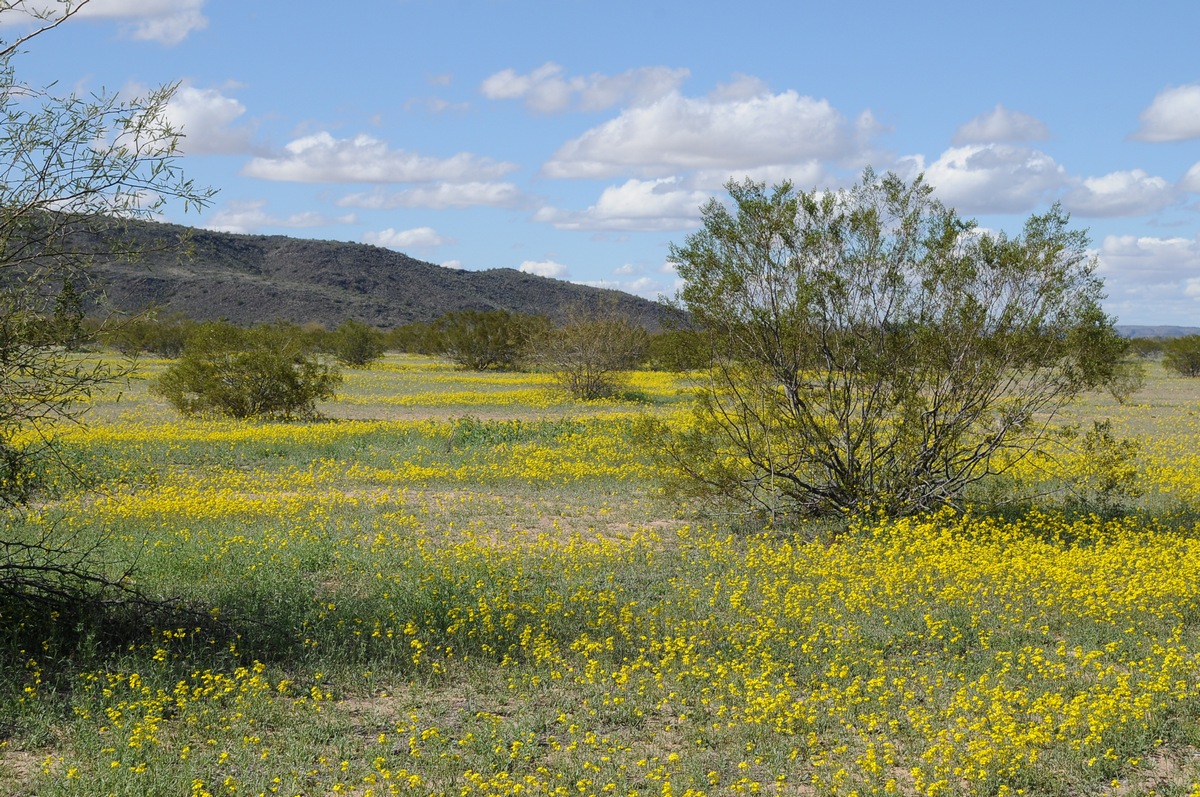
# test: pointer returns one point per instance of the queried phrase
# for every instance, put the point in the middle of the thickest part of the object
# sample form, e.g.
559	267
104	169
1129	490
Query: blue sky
578	139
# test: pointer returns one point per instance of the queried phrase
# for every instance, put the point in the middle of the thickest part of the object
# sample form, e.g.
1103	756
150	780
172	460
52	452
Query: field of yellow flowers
466	584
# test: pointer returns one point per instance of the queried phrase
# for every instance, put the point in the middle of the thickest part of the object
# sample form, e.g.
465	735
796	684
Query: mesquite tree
873	351
75	171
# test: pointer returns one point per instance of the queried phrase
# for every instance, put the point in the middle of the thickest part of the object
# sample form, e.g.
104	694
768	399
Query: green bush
266	372
164	337
355	344
1129	376
591	355
478	340
1182	355
678	350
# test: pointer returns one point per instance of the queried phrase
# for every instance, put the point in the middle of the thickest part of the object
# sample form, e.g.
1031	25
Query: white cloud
644	205
546	90
453	264
994	178
1152	280
715	133
627	270
1131	193
321	158
1150	259
645	286
435	105
251	216
1000	125
741	88
1173	116
439	196
206	117
1191	180
803	175
544	268
416	238
165	21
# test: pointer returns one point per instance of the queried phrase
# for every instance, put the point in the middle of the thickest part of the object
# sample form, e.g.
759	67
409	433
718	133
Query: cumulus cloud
545	268
803	175
1173	116
994	178
439	196
643	205
1151	280
547	90
321	158
1001	125
1130	193
416	238
646	287
1191	180
723	132
165	21
250	216
207	117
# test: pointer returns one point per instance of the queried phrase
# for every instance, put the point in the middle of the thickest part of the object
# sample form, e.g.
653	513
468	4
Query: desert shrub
1129	376
478	340
354	344
677	350
266	371
591	355
1182	355
872	351
149	333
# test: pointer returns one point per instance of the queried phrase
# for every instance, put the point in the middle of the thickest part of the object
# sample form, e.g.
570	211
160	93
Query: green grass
456	598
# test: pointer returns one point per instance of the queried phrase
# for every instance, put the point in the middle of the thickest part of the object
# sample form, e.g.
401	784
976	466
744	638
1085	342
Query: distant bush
591	355
417	337
267	372
479	340
1145	348
677	350
148	333
1182	355
1129	376
354	344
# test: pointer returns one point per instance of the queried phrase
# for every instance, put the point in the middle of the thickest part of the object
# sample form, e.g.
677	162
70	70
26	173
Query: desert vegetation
470	583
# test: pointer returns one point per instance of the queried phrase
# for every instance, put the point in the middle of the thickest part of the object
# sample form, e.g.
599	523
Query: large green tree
75	173
874	351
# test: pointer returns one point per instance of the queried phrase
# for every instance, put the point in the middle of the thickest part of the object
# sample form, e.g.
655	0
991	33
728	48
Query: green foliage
355	344
1145	348
477	340
1129	376
678	350
591	355
76	169
874	352
148	333
264	372
1182	355
1109	477
417	337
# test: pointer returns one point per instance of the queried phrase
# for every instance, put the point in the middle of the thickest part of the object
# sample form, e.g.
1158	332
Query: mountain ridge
247	279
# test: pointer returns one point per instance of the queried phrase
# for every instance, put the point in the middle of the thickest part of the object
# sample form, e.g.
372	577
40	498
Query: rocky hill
248	279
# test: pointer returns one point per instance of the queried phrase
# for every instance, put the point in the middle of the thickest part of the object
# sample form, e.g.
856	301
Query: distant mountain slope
1136	331
253	278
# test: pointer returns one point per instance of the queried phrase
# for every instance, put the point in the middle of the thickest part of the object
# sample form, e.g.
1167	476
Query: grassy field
467	584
